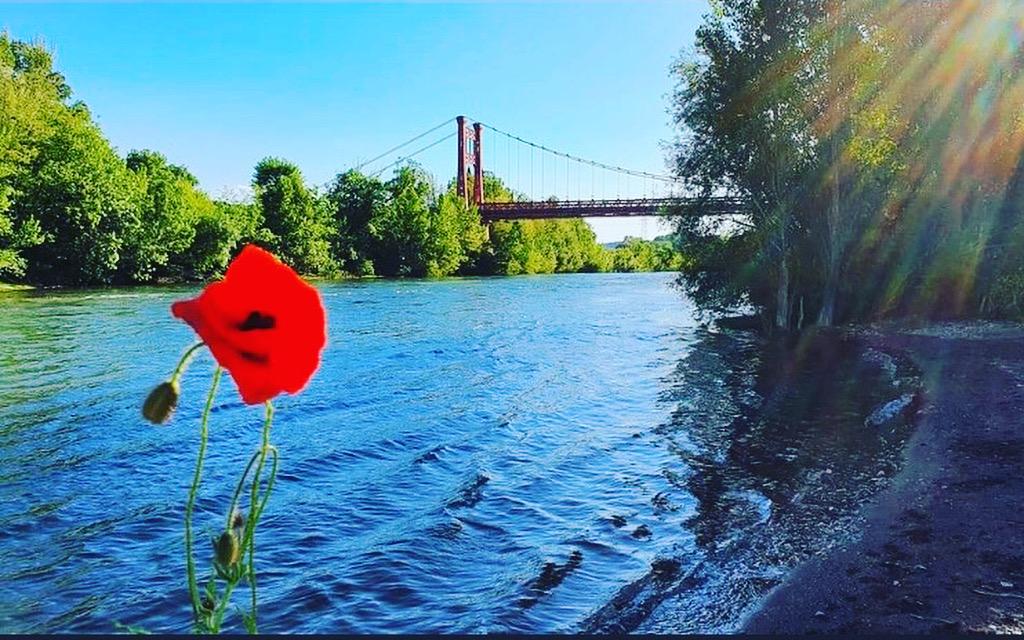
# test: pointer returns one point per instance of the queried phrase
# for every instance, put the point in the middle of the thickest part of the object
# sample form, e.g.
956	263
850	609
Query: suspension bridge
571	186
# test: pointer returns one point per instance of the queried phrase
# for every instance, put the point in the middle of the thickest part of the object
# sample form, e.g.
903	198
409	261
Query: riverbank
4	287
941	549
794	438
317	280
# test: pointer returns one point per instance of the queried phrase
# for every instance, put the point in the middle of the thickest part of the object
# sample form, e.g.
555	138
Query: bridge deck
492	211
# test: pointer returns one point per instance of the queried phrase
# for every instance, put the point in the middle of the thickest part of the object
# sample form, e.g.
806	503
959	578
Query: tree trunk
833	248
782	294
826	315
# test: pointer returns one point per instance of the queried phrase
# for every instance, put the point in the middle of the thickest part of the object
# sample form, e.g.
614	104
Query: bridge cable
415	153
593	163
543	178
404	144
568	195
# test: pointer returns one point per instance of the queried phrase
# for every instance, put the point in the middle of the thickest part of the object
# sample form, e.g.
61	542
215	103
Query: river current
527	454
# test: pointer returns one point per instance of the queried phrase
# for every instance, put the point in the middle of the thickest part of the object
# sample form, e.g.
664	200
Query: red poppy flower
262	323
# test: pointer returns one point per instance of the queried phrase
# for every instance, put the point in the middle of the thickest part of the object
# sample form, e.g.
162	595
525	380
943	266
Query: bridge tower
467	135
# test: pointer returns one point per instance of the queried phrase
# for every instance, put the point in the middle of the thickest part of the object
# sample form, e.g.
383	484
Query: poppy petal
262	323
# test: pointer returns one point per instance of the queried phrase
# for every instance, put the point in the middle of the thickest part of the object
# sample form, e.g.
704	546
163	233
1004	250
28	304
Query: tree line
877	146
73	212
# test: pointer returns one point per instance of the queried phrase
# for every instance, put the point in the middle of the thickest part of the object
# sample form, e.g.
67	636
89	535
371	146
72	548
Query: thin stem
222	606
270	483
254	516
184	360
193	588
238	489
249	530
255	508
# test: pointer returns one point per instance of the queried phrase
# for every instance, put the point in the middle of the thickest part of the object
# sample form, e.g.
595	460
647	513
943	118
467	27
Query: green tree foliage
29	93
536	246
66	200
170	209
402	227
740	104
844	126
297	220
218	233
456	236
545	246
355	200
72	212
85	201
635	254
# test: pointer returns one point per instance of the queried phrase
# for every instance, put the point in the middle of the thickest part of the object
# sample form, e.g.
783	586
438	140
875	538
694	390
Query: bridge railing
491	211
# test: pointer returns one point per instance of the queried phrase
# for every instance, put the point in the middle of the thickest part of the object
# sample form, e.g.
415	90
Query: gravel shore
942	549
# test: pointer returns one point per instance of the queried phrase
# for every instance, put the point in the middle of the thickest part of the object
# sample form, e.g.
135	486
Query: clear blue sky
217	87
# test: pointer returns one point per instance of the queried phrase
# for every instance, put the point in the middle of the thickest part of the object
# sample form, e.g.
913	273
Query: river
497	454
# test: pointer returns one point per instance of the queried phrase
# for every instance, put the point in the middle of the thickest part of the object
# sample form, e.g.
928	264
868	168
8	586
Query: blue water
474	455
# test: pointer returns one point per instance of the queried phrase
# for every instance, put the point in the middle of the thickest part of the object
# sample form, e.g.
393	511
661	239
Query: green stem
222	606
184	360
270	483
250	528
238	492
255	508
190	566
255	514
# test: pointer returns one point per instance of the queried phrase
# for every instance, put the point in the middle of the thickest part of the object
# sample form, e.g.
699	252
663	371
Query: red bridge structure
577	188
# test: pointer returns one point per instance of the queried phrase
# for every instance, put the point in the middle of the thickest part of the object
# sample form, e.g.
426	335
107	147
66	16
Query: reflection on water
774	451
474	455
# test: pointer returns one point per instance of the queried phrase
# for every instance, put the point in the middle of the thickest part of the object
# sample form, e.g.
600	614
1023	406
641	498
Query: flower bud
161	402
237	521
229	551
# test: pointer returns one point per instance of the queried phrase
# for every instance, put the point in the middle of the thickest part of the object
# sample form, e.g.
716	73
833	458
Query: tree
455	236
402	227
171	207
218	234
399	229
85	201
793	107
355	200
297	219
30	95
73	212
741	107
636	254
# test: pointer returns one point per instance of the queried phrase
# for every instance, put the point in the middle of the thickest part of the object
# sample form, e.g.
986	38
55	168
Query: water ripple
476	455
